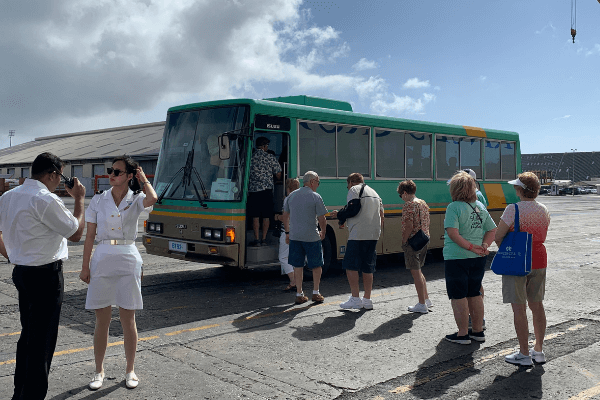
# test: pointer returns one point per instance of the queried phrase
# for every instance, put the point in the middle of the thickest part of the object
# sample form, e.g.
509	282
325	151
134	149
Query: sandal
290	287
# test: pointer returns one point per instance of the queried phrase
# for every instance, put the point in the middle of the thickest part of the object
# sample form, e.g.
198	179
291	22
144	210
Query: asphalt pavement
209	332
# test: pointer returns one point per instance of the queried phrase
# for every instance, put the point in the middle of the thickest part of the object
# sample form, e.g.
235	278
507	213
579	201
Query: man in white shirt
365	229
34	225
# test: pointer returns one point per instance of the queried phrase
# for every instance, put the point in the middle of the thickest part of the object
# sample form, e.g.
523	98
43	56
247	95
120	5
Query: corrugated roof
134	140
586	164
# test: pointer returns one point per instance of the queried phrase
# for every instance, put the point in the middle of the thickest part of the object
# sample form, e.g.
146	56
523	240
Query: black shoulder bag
351	209
419	239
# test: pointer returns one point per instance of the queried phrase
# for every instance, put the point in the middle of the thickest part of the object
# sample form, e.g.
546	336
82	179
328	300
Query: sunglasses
69	182
117	172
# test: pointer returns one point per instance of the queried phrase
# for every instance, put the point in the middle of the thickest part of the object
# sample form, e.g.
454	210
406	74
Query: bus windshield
192	137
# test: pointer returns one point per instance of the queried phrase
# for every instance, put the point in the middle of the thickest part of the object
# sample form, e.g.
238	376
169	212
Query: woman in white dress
114	271
284	248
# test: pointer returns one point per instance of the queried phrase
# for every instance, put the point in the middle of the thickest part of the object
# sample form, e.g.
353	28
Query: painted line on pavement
587	394
471	364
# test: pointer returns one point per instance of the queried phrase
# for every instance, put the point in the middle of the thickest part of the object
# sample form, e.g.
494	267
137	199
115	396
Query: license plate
178	246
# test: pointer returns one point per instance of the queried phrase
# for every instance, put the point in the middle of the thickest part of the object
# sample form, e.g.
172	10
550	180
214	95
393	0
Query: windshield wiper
186	180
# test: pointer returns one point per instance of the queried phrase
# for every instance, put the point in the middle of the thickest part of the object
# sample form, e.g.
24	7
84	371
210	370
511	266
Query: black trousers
40	300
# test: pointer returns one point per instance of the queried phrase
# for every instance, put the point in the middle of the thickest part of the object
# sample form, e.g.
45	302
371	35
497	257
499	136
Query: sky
77	65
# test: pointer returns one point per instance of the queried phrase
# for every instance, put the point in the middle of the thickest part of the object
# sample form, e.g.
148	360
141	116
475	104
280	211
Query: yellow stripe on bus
495	195
476	132
201	216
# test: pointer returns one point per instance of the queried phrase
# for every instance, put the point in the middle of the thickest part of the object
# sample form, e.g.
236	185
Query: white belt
117	241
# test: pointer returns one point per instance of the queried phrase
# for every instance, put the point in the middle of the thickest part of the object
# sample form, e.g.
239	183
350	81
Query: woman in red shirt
534	218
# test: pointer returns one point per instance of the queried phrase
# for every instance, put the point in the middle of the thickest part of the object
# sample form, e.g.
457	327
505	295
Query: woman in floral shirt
415	216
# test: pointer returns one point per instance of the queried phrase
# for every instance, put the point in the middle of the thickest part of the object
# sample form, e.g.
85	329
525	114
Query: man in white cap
480	195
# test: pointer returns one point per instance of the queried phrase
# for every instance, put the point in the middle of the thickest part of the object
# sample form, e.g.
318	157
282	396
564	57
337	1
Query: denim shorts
361	255
464	276
312	252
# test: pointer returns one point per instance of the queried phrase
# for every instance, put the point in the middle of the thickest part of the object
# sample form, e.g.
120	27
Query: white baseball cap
468	171
471	172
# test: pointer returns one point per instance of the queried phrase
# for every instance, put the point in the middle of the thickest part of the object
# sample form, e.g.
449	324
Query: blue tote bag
514	254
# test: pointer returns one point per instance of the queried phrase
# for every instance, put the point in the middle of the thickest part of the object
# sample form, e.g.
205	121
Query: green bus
203	170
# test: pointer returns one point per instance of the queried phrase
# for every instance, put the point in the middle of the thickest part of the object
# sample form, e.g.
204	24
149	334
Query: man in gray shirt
302	210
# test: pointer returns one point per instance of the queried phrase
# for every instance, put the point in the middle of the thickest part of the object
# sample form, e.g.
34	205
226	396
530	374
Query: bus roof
335	111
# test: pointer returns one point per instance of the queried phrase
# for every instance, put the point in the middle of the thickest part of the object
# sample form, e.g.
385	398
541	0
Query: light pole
573	150
11	133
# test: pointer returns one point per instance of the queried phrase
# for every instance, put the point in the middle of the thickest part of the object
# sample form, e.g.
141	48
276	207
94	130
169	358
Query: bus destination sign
271	122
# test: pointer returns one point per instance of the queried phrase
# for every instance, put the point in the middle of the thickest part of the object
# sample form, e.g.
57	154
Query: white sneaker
96	383
419	308
353	302
519	359
367	304
428	303
537	356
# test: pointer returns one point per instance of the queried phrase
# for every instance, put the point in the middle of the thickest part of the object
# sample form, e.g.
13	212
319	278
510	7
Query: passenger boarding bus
203	170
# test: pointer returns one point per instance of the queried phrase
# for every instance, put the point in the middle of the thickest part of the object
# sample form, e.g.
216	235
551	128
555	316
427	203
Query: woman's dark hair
407	186
131	167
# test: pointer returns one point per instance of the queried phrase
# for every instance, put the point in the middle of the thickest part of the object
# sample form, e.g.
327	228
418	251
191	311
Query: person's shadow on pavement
450	365
391	329
523	383
330	327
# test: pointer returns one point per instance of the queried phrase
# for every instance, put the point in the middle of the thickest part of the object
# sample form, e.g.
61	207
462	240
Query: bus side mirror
224	147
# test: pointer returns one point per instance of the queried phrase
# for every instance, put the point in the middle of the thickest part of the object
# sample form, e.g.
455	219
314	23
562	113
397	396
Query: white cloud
373	87
404	104
80	59
563	117
594	50
364	64
548	26
415	83
74	65
483	78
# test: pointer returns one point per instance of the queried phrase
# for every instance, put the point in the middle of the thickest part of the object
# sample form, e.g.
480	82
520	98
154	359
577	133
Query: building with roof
88	153
576	167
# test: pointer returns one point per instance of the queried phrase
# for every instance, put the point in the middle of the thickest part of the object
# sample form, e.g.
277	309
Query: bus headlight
218	234
206	233
155	227
229	234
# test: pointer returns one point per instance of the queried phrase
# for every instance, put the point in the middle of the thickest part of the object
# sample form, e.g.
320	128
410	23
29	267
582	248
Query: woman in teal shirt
469	230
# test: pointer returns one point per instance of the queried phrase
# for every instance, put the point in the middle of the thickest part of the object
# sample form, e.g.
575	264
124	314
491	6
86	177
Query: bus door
269	254
279	147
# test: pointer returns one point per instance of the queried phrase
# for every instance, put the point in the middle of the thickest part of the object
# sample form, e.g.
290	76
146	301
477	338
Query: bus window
470	155
418	155
492	160
446	156
353	149
508	160
389	154
317	149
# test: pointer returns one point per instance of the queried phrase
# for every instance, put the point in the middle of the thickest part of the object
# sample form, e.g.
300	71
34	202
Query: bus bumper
203	252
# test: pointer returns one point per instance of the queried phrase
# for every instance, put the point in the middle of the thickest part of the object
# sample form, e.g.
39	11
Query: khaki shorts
520	289
414	259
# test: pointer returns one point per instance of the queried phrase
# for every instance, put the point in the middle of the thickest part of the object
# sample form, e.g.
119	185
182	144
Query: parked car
569	191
